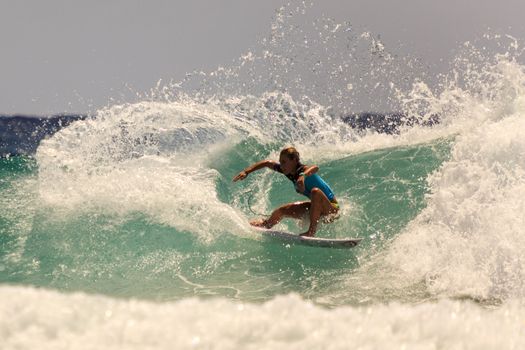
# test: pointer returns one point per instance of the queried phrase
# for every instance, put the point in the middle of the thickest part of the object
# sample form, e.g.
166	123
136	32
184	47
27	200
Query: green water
133	256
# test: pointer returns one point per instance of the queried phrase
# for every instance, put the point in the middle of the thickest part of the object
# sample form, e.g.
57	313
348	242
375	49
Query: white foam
41	319
470	238
148	157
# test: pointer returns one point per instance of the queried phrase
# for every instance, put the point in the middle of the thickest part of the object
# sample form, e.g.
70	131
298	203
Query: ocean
123	229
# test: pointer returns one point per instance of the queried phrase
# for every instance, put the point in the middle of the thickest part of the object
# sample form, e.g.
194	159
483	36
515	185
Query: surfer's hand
240	176
300	184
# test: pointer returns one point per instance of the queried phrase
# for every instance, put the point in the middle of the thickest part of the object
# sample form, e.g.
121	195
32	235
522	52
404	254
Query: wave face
131	217
139	202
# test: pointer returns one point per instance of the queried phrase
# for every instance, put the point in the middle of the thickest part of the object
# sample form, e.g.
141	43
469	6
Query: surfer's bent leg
320	205
296	210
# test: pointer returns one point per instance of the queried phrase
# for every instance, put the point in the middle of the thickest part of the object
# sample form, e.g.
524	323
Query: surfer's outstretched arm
256	166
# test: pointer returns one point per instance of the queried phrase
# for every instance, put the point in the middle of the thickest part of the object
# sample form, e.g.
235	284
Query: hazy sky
74	56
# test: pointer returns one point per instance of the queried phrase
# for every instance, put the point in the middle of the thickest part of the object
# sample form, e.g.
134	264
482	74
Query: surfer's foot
307	234
260	223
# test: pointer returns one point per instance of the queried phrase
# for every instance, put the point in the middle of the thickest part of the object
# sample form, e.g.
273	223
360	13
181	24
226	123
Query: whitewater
125	230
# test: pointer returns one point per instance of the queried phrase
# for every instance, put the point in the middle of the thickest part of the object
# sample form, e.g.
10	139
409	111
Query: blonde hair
290	152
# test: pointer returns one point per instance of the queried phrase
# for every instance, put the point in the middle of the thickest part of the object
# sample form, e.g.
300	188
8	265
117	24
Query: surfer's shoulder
275	166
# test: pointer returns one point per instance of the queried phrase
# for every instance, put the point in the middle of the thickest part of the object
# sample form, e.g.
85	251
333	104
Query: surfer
322	203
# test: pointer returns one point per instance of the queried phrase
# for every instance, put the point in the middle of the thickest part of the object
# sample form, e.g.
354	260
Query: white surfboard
288	237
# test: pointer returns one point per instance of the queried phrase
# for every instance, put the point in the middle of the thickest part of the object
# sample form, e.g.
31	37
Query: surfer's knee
316	193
